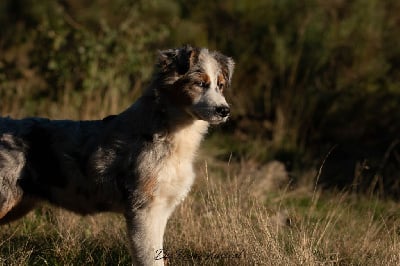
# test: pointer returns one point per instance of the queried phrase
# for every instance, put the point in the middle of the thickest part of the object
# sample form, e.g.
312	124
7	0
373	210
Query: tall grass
221	223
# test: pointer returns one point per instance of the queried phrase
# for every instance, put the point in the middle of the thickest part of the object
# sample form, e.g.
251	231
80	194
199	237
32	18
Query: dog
138	163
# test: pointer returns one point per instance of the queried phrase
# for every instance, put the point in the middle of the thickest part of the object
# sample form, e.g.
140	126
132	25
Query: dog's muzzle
214	115
222	111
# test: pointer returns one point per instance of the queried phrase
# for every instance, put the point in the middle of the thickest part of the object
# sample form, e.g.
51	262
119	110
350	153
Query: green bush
310	75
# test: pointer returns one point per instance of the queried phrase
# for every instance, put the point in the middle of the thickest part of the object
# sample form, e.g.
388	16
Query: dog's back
48	160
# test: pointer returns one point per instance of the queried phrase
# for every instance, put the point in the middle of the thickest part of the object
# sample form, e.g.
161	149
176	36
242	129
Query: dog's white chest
176	176
175	180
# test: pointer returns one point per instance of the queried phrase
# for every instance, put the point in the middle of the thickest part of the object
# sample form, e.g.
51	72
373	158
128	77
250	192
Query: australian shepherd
138	163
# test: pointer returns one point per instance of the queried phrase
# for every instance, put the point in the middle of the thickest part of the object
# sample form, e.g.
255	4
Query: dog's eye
202	84
221	86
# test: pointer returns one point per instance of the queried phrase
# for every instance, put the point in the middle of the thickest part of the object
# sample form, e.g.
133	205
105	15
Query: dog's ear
184	59
230	64
178	60
227	64
166	58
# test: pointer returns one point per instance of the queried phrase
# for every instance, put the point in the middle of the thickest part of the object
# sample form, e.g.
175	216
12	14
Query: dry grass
221	223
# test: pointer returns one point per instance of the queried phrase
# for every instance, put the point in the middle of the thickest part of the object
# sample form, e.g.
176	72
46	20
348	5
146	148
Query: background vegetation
310	76
317	83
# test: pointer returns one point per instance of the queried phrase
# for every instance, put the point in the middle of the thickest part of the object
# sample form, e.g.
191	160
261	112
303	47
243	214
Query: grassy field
222	222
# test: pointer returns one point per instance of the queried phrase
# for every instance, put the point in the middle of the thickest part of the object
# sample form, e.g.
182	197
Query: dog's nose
222	111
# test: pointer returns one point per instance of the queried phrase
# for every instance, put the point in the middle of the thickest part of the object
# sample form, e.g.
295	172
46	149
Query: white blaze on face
212	69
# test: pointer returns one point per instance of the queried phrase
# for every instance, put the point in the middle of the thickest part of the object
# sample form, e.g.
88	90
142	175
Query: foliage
310	75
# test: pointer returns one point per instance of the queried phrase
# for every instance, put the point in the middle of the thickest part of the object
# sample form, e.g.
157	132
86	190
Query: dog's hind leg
12	161
10	196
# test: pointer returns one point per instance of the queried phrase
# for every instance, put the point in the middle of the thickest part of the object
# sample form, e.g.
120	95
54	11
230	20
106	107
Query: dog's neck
152	115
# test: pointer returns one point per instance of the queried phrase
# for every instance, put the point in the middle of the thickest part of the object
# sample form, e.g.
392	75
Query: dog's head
194	79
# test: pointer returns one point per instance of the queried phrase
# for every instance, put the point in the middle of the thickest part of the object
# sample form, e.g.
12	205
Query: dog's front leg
146	231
